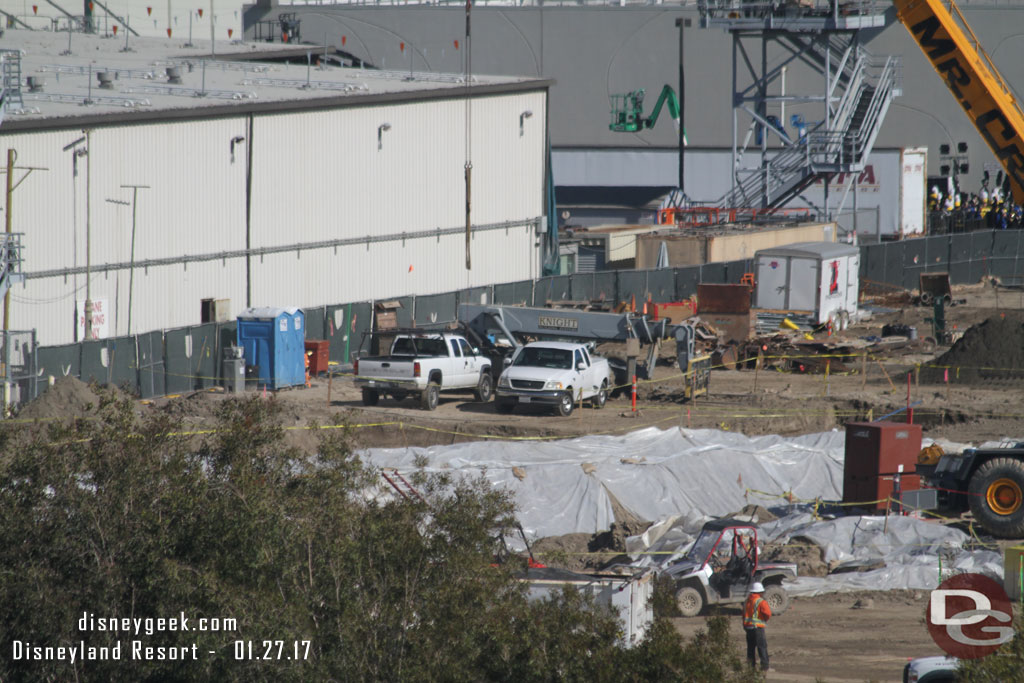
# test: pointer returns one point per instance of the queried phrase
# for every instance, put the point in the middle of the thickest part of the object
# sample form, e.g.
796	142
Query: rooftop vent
174	74
35	83
106	79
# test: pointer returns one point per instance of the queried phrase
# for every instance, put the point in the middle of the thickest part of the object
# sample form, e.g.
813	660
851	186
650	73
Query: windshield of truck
541	357
419	346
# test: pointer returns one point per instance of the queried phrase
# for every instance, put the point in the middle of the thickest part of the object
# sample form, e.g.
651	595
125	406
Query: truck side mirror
507	362
581	366
476	351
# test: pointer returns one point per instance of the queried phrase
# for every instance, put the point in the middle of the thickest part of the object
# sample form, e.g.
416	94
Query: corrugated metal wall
317	176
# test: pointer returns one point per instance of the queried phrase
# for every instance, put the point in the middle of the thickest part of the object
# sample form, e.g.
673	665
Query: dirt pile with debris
801	551
992	349
68	397
580	552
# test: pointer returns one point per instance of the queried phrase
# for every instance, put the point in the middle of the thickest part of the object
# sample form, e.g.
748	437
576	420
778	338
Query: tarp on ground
567	486
680	478
911	549
867	552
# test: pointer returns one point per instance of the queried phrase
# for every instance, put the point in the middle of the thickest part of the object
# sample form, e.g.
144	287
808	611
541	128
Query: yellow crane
944	35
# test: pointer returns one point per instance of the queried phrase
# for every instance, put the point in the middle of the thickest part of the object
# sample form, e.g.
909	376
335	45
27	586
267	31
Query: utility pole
11	156
12	256
88	234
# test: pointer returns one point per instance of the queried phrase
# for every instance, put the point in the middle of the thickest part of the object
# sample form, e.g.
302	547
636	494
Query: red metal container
875	450
321	356
873	491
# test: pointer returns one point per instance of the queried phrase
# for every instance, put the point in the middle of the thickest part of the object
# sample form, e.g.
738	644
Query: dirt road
825	638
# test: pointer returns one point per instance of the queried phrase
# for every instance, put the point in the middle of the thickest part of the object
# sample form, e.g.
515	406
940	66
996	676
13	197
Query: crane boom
953	49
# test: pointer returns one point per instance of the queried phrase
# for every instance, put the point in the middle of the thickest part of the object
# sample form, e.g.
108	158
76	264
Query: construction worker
307	357
756	614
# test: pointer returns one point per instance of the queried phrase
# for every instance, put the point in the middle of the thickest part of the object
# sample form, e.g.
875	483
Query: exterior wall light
522	117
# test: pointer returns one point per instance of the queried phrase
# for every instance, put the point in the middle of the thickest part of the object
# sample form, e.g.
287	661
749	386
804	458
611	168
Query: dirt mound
805	554
582	552
993	349
68	397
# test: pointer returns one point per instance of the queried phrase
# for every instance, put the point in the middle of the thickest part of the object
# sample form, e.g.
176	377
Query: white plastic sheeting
684	477
565	485
911	549
908	548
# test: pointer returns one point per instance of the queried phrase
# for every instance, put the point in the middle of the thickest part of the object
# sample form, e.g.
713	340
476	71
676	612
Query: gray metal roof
236	82
813	249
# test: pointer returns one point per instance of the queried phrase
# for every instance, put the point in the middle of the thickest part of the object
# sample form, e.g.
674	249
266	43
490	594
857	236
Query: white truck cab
556	374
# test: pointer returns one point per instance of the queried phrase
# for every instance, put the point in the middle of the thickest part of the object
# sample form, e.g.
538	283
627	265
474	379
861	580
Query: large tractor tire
777	598
690	601
997	497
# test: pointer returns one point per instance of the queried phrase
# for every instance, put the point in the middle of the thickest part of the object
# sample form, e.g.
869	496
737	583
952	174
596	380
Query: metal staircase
858	89
10	67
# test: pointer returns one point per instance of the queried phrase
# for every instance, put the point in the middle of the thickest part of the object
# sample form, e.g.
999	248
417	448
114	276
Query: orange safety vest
756	612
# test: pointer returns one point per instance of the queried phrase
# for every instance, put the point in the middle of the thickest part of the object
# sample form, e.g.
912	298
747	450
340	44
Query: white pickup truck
424	364
553	373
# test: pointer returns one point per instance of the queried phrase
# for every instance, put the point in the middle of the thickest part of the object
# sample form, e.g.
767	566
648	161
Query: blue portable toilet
274	339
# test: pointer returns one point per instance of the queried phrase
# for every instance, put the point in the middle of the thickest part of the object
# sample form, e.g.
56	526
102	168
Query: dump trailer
519	324
987	481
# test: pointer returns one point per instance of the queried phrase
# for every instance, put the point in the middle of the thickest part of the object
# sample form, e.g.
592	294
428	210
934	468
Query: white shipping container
913	190
821	279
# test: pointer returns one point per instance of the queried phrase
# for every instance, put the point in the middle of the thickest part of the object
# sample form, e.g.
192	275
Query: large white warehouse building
263	191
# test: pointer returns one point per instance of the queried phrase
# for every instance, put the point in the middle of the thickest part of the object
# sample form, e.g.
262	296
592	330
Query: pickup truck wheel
690	601
777	598
370	397
601	398
484	388
430	397
565	405
997	497
504	405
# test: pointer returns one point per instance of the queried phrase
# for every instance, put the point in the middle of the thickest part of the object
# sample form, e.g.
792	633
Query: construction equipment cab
720	566
423	364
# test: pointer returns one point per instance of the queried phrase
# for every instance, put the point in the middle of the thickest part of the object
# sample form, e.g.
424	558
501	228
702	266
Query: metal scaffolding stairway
10	66
858	91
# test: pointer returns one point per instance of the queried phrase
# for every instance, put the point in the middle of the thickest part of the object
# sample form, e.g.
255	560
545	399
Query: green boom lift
628	111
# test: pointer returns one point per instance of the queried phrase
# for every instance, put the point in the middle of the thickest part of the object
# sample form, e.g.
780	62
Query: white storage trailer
817	279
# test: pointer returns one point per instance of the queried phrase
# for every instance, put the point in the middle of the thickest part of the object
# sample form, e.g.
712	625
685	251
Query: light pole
682	23
88	234
77	152
131	268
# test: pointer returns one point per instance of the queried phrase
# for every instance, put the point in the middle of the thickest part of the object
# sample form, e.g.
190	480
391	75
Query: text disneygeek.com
133	647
